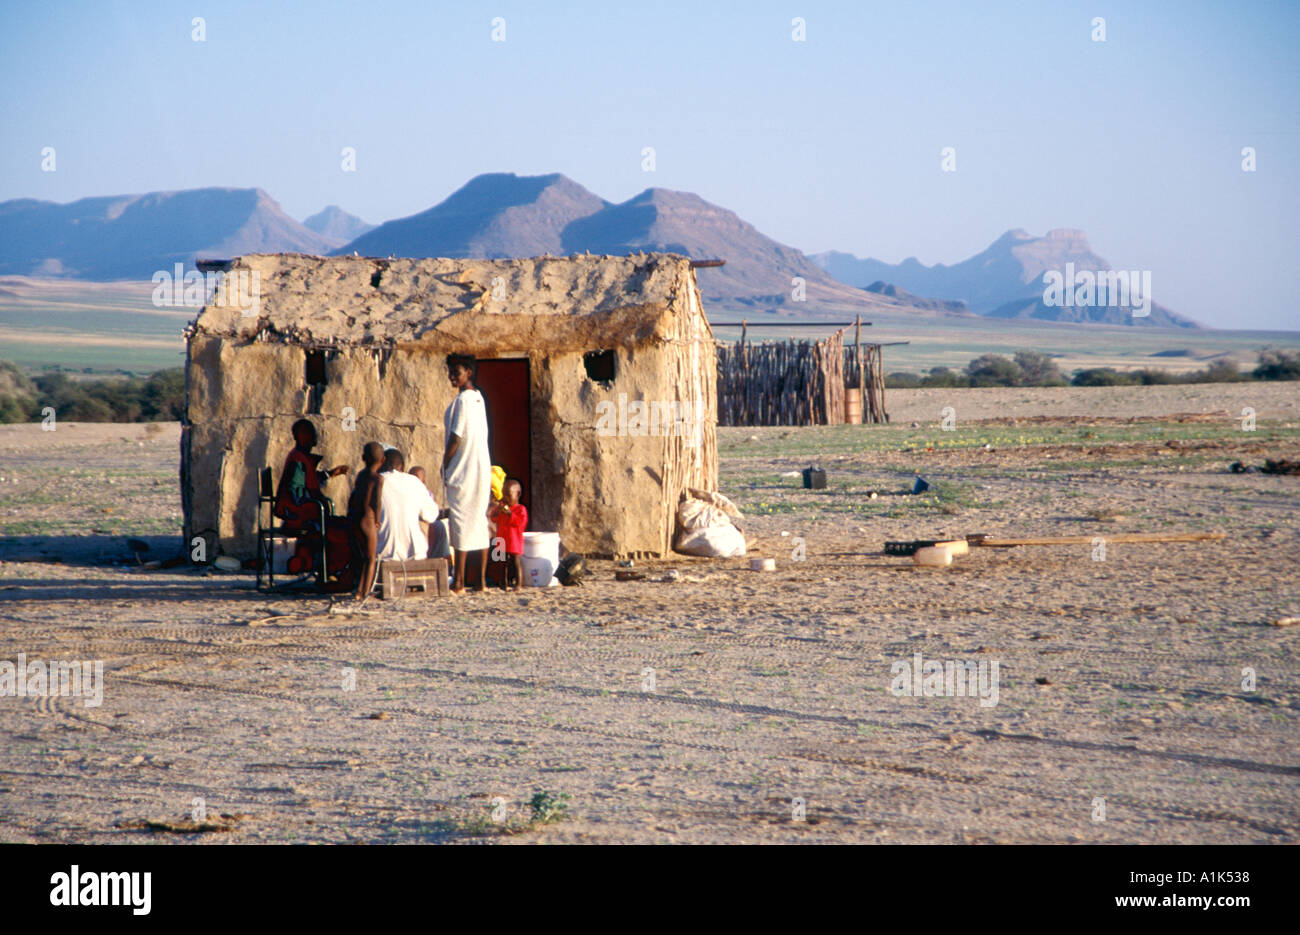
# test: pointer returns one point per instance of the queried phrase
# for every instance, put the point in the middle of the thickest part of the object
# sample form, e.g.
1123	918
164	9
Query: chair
270	530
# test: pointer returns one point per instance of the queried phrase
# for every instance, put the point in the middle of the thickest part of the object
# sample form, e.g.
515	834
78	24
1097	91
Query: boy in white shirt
406	503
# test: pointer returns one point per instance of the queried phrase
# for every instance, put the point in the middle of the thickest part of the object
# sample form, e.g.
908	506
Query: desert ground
1126	709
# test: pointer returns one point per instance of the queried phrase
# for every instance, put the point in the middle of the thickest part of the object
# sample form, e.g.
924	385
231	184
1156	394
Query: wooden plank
997	542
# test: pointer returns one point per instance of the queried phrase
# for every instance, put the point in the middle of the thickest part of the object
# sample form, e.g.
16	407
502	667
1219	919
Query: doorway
504	385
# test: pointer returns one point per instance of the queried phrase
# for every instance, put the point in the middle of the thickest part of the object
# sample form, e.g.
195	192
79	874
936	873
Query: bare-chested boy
363	516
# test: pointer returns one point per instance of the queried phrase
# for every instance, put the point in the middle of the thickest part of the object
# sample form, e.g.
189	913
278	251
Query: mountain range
507	215
134	236
1005	280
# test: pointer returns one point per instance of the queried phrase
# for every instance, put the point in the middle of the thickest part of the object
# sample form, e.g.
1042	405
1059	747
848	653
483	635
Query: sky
832	142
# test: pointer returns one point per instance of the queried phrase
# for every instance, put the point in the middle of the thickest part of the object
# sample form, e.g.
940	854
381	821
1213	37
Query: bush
1103	376
1151	376
942	376
159	398
994	370
163	397
902	380
1277	365
17	394
1220	371
1037	369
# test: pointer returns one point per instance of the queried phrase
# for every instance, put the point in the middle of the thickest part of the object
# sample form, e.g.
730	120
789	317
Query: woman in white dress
467	469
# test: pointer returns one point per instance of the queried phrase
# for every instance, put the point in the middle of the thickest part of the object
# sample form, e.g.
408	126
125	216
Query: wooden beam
790	324
997	542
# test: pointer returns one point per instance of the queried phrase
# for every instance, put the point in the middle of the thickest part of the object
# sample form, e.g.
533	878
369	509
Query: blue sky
831	143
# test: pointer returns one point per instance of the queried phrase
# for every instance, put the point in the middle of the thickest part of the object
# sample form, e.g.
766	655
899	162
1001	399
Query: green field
88	327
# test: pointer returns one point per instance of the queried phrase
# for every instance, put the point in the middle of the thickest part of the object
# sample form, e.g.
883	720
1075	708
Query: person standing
467	469
365	511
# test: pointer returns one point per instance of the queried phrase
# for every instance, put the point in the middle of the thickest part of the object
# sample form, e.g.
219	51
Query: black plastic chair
270	530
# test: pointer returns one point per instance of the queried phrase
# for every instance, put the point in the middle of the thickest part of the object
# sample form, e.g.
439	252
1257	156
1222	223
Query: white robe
405	504
468	477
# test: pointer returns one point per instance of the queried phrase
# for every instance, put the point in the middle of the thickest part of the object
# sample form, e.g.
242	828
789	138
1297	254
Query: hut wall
608	495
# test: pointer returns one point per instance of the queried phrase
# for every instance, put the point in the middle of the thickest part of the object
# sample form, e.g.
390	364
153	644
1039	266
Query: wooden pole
857	343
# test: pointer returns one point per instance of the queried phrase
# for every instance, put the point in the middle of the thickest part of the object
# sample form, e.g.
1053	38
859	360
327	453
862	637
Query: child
364	514
512	519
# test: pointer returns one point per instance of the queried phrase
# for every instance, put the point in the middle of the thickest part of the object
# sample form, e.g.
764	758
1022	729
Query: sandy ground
1119	679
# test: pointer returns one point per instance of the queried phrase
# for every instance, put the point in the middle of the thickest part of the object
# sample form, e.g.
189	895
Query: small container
539	572
762	564
542	545
814	478
935	555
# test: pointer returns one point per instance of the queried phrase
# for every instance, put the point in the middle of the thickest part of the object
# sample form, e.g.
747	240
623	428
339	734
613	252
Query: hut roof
365	300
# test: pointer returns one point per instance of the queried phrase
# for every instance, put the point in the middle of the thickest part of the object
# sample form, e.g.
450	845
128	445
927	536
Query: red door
504	385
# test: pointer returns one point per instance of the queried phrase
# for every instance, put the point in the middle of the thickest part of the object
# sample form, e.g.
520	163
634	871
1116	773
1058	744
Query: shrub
1037	369
993	370
942	376
1153	376
1220	371
901	380
1103	376
159	398
17	394
1278	365
163	396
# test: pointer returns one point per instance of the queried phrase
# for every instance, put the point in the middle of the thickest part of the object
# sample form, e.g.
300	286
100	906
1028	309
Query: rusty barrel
852	405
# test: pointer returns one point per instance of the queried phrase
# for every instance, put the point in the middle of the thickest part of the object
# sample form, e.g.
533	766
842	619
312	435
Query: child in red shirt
511	518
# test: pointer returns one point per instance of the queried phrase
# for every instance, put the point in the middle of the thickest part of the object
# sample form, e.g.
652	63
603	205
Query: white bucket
542	545
539	572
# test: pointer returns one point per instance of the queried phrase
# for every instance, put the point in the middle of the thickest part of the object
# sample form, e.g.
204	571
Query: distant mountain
133	236
337	225
505	215
1011	267
759	273
992	281
1157	315
492	216
946	306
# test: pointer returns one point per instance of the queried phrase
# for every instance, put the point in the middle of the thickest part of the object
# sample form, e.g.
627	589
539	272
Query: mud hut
598	373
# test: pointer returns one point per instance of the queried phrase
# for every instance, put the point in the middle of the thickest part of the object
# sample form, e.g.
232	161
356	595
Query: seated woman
299	500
